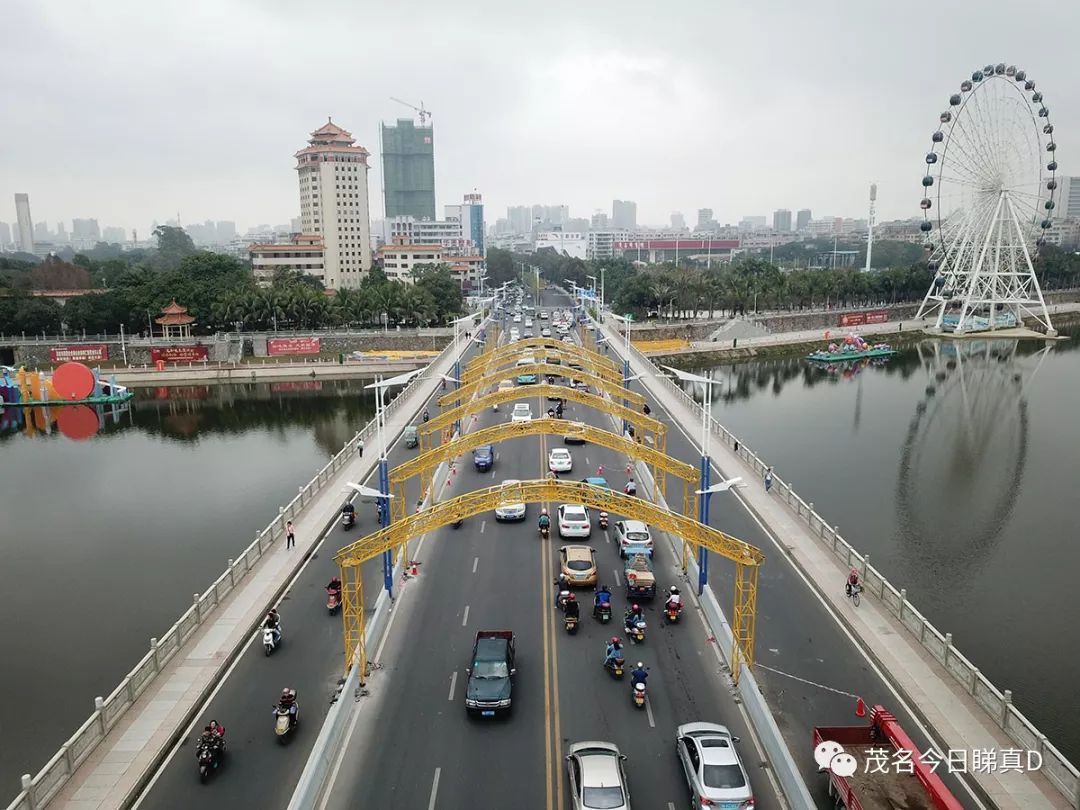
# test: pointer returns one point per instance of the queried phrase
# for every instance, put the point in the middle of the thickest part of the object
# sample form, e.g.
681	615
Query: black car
488	691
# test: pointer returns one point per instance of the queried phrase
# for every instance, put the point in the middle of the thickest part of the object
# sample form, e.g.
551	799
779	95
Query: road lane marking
606	538
648	711
475	562
483	523
465	618
453	684
671	805
434	789
586	460
618	583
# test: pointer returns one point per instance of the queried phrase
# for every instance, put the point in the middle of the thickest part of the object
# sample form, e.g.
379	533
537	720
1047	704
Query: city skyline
566	126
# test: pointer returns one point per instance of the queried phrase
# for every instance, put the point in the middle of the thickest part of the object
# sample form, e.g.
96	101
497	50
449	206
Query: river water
104	541
953	465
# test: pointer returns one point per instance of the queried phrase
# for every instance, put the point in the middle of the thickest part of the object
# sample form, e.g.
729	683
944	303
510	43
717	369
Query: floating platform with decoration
853	347
70	384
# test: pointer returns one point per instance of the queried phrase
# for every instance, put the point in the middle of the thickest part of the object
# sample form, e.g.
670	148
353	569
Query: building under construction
408	162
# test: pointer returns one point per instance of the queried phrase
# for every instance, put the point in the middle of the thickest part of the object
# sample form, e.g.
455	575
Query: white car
714	772
597	777
510	511
528	322
574	521
544	315
633	537
545	332
522	412
560	461
517	319
525	361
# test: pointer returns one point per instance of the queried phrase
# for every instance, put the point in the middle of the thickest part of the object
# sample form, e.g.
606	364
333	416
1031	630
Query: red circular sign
77	421
73	381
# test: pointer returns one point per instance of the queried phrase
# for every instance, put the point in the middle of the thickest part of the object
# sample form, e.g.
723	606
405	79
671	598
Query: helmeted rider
561	584
602	595
287	701
674	599
852	580
633	616
216	729
334	586
544	521
631	487
639	674
273	622
572	608
614	651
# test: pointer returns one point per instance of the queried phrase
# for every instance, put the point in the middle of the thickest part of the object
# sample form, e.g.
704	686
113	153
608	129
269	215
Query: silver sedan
597	776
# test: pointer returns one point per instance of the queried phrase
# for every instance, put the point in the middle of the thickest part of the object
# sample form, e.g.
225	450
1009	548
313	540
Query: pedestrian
736	447
360	448
768	479
290	535
645	409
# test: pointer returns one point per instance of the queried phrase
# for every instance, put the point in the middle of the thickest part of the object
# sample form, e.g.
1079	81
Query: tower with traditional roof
333	174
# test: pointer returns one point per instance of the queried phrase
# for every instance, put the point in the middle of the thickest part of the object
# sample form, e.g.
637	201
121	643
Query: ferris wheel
988	200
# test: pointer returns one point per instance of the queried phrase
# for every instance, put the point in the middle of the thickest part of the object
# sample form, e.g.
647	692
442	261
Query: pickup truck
640	582
487	692
914	786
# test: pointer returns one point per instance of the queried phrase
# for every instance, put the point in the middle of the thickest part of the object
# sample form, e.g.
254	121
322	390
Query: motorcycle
603	522
637	634
563	595
615	668
631	490
348	520
673	612
333	601
285	721
602	612
570	623
271	639
545	532
638	695
208	755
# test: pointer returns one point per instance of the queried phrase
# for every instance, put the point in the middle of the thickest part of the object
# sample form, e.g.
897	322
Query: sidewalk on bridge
123	760
958	720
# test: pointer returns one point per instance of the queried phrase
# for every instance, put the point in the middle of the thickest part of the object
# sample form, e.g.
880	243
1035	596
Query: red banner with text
93	353
180	354
859	318
308	345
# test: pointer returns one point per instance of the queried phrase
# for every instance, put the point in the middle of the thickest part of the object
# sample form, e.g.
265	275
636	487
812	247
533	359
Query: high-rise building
333	174
226	231
113	235
781	220
753	223
41	232
600	220
678	221
24	225
1068	200
556	214
520	218
705	219
408	162
471	216
85	232
803	219
623	214
5	236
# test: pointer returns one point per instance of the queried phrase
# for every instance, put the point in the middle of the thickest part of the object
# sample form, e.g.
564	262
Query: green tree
174	245
27	313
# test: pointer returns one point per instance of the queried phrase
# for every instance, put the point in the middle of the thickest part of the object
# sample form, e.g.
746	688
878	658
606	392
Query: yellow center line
556	738
545	614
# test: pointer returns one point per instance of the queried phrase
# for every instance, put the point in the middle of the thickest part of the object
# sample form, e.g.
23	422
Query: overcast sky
134	111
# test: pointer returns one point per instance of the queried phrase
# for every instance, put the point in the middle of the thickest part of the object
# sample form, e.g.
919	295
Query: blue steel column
457	386
384	521
703	518
626	386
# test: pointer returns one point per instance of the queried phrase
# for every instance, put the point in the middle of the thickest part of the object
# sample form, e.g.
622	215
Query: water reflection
76	422
952	506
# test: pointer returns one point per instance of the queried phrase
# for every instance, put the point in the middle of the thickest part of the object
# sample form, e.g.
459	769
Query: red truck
901	781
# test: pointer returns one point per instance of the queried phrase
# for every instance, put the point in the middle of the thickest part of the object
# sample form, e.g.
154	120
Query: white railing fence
997	703
38	790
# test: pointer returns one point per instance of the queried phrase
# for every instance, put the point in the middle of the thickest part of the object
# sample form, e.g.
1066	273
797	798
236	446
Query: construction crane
424	114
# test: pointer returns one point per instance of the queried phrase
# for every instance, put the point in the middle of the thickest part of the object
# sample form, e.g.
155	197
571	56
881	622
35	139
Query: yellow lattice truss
746	557
535	346
646	428
586	375
425	463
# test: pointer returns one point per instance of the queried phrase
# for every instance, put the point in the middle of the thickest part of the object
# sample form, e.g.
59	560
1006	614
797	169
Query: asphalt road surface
417	748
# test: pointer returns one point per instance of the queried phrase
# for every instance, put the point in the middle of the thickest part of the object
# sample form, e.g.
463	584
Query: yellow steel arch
547	345
640	421
506	364
543	370
746	557
426	462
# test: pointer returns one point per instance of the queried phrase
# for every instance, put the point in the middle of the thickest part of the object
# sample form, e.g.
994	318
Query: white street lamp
723	486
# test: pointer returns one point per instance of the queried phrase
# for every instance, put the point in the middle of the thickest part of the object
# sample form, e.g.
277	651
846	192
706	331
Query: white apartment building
399	259
601	244
303	252
446	233
333	175
571	243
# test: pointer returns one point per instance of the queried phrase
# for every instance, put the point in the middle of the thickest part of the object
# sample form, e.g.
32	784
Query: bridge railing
996	702
38	790
130	339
